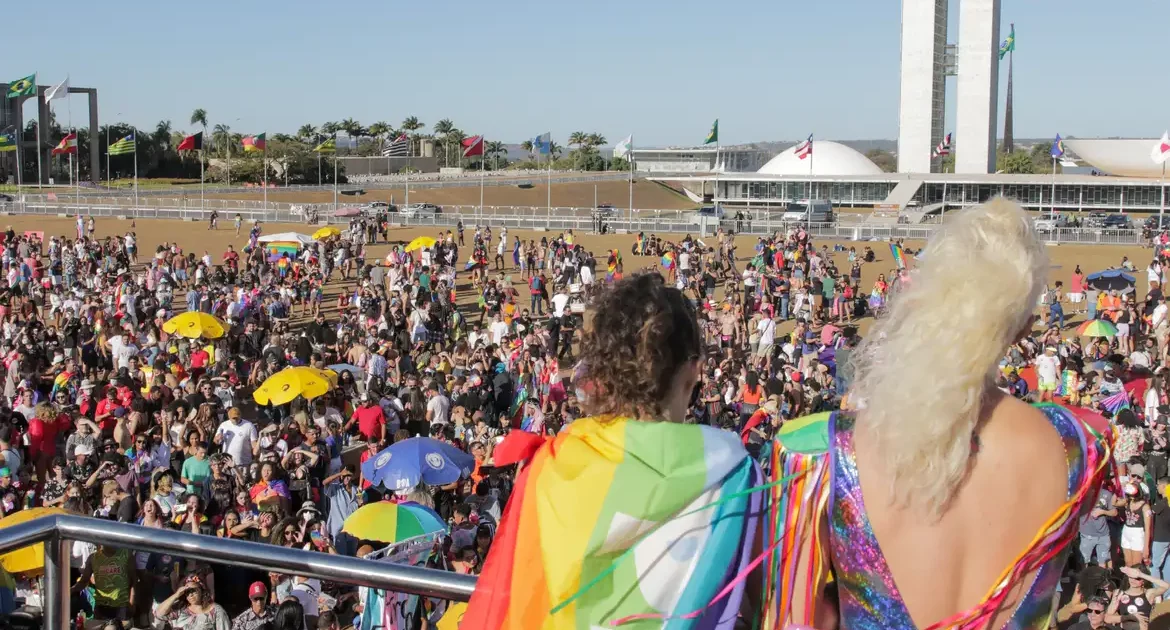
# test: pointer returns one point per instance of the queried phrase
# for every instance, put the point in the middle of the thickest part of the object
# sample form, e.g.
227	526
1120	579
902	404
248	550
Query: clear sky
511	69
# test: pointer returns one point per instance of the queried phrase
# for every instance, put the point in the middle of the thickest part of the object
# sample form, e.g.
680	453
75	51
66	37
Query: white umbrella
290	237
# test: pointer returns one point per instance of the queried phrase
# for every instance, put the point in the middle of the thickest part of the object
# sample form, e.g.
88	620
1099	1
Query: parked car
1095	220
606	210
375	207
1151	222
1049	224
4	198
420	209
814	211
711	215
1116	221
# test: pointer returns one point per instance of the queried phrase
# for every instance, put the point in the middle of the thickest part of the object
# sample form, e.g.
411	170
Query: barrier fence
558	219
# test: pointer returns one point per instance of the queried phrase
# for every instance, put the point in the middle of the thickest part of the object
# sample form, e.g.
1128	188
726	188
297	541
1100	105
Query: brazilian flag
23	87
7	140
329	146
713	135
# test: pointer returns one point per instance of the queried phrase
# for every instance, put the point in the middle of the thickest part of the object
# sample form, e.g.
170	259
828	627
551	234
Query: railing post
55	596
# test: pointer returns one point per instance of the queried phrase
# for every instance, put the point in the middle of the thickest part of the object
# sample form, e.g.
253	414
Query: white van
815	211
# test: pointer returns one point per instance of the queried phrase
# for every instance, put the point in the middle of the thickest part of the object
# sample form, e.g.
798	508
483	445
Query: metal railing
58	533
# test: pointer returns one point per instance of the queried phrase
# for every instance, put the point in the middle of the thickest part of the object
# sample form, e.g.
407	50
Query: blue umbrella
1111	280
402	465
345	367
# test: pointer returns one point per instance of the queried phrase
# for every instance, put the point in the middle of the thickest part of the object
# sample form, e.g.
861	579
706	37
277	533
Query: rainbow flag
1068	383
668	260
656	528
899	256
277	248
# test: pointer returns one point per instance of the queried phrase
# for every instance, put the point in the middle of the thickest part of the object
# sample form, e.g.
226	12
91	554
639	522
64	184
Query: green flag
1008	44
124	146
7	140
23	87
329	146
713	135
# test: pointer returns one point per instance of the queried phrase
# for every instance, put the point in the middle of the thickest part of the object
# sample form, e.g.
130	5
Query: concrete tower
978	87
923	90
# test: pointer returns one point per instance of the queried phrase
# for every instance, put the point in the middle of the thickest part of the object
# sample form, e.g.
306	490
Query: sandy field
576	195
196	238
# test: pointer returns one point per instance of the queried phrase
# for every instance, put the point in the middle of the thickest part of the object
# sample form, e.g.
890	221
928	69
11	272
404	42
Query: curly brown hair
641	333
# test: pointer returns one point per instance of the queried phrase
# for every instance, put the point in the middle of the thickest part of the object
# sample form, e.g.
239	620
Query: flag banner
124	146
255	144
623	148
542	144
473	146
1161	150
399	147
329	146
898	254
7	140
1008	44
23	87
1057	147
944	147
68	144
713	135
193	142
59	91
804	149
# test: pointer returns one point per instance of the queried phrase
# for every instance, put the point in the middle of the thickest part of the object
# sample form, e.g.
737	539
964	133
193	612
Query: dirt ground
196	238
571	194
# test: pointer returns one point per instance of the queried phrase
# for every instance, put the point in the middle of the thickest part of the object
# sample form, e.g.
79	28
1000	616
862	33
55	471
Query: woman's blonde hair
926	367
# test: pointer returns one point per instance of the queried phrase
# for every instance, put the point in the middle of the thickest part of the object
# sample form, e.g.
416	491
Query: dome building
828	158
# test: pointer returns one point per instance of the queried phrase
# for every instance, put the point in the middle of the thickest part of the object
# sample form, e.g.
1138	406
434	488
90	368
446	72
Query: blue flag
1057	147
543	143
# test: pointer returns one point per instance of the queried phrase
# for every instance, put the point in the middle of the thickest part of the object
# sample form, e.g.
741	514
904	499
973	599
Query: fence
57	533
559	219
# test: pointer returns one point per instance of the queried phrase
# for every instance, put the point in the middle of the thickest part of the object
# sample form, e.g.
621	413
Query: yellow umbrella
420	242
194	324
453	617
326	232
289	383
32	557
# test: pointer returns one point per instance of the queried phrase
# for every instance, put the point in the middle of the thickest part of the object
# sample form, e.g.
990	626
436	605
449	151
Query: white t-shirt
238	440
122	352
559	302
1158	317
440	409
1047	368
306	593
767	330
586	276
684	261
498	330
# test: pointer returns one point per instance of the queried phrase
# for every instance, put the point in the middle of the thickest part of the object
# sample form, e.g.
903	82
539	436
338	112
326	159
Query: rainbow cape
898	254
623	521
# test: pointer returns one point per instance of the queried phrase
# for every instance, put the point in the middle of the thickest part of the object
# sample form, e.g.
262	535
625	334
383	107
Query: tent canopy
289	237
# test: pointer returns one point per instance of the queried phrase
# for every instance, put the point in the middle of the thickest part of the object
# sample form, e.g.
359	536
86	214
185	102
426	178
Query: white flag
623	148
1160	152
61	90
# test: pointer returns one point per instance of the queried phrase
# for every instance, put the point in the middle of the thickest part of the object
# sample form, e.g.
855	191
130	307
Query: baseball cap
257	589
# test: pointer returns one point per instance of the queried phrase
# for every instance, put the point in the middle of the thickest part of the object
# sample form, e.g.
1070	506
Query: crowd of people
472	337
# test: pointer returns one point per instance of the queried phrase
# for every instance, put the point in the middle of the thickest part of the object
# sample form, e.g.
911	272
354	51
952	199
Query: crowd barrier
557	219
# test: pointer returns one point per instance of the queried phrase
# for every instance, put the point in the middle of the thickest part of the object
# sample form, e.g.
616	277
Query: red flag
191	143
68	145
473	146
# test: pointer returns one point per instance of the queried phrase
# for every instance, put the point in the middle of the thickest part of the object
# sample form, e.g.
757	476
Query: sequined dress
869	599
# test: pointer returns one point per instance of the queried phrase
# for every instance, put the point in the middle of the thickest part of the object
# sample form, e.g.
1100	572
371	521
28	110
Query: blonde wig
926	367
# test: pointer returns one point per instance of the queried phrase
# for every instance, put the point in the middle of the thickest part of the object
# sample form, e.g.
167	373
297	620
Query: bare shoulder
1022	453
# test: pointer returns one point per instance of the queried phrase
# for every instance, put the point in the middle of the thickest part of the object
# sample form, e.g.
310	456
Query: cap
86	383
309	506
119	412
83	449
257	589
234	412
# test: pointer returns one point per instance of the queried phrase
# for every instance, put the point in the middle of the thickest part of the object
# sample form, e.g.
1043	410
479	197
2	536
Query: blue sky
511	69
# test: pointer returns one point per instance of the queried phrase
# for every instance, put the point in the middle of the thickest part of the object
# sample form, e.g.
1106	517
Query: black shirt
1161	511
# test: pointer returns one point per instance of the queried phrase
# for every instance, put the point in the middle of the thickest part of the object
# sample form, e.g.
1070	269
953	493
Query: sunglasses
1096	611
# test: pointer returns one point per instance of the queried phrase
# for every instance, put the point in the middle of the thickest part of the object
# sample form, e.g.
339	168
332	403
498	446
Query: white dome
1129	157
828	158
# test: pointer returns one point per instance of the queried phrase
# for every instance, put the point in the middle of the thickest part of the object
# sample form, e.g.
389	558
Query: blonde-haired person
937	458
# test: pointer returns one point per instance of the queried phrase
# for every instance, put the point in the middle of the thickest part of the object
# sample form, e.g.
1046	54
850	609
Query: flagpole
1052	199
1162	209
202	199
318	169
135	166
264	167
407	200
481	159
40	173
335	158
630	165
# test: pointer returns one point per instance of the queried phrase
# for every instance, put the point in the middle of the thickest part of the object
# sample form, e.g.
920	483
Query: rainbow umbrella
1097	328
392	522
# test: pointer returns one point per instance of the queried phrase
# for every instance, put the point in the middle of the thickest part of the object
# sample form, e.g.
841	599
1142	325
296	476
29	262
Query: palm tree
222	139
554	150
529	147
455	138
594	140
578	138
352	128
199	117
410	126
442	128
380	130
494	148
162	135
307	133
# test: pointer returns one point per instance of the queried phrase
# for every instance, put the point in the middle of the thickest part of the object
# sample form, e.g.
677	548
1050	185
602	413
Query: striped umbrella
392	522
1097	328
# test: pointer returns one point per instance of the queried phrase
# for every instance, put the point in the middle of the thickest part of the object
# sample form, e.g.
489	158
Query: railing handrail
272	558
